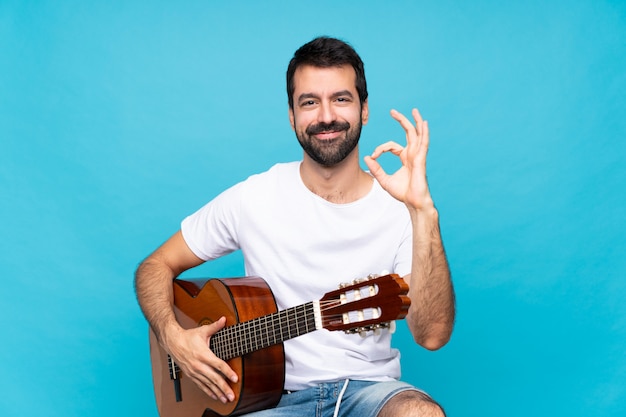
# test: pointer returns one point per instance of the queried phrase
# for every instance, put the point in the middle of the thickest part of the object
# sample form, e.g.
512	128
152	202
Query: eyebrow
304	96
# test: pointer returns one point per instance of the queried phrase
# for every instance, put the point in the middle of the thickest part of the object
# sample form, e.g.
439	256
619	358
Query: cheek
301	122
350	114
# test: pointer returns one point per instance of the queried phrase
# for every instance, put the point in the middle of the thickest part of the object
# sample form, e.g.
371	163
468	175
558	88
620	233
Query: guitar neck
261	332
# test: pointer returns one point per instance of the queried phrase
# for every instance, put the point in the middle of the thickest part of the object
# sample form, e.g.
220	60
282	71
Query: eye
307	103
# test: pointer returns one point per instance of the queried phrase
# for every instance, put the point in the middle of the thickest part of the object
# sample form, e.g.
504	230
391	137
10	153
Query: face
327	115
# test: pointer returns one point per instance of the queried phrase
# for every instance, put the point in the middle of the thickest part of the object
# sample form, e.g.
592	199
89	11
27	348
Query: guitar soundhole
205	321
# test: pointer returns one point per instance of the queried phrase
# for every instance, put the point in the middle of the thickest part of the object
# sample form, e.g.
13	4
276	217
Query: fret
247	345
301	319
293	324
267	333
258	335
287	324
252	335
306	323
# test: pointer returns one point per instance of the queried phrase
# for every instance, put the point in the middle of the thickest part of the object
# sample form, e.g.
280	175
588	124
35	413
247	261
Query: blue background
119	118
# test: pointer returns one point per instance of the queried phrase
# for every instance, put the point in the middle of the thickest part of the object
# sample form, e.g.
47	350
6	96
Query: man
307	226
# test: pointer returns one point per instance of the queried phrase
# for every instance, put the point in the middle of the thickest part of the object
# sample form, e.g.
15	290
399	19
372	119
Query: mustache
335	126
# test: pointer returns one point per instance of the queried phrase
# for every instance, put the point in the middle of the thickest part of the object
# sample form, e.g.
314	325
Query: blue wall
119	118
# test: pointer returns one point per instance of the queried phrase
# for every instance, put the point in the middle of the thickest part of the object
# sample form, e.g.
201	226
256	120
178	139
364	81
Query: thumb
376	170
212	328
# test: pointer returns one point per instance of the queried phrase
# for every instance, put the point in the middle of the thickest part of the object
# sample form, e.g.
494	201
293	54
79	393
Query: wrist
427	209
168	332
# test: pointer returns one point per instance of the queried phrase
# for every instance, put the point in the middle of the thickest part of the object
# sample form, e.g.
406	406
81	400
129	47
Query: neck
340	184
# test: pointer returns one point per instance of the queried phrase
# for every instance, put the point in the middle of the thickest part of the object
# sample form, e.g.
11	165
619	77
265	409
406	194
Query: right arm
188	347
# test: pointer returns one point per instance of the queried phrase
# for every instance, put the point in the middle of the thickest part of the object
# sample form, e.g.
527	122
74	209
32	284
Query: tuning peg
392	327
363	331
374	276
359	280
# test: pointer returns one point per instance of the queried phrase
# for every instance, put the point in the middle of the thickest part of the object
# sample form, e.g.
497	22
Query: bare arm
190	348
431	316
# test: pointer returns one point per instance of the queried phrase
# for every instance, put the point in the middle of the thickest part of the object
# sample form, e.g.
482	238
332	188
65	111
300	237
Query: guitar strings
263	331
325	305
277	318
244	337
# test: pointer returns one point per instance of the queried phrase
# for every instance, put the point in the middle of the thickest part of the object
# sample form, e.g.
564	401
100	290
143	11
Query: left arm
431	315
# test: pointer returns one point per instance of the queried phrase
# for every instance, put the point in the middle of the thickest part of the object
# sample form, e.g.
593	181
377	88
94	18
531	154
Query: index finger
406	123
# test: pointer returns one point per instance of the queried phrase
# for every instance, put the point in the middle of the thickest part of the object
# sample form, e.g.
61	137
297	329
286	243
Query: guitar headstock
365	304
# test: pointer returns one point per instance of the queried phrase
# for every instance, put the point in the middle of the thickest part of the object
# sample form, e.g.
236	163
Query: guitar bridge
175	375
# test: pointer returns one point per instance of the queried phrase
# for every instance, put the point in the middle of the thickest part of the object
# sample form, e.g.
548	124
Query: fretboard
264	331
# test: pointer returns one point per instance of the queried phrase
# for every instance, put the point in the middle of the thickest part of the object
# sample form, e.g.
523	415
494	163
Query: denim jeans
359	399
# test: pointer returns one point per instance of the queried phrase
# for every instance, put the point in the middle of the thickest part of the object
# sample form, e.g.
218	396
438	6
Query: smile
333	134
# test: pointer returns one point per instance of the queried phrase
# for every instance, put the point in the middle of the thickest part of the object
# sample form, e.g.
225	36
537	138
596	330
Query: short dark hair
325	52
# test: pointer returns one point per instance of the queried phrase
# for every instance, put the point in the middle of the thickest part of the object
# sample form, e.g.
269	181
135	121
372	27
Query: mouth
328	131
333	134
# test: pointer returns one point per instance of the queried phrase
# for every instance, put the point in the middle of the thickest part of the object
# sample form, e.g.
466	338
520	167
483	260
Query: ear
365	112
292	119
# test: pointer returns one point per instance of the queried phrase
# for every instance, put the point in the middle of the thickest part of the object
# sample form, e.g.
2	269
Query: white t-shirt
304	247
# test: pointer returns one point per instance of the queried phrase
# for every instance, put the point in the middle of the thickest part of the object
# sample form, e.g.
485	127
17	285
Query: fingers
375	168
390	146
417	116
417	136
425	138
213	384
408	184
216	371
220	365
408	127
208	371
404	122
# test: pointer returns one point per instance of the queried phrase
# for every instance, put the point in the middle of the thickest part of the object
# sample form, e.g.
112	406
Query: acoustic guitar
252	340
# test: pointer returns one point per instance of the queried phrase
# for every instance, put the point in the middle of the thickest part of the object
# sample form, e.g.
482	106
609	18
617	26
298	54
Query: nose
326	113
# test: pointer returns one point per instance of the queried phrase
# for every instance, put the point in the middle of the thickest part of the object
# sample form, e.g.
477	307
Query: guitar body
261	373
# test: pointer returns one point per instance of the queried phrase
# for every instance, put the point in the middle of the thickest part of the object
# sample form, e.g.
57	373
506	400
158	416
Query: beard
330	152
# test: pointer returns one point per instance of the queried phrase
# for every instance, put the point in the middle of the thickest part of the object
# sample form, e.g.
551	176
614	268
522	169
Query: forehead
308	79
